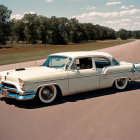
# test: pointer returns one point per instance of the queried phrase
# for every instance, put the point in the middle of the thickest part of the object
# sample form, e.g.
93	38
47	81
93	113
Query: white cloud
123	25
32	12
100	14
88	15
20	16
48	1
17	16
112	22
125	20
124	7
136	23
121	21
129	12
128	19
122	13
127	7
113	3
110	14
91	8
135	17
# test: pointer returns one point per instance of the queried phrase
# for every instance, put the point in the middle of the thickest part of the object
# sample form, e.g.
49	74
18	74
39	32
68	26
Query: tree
57	31
137	34
64	29
4	24
123	34
42	29
75	30
17	28
31	25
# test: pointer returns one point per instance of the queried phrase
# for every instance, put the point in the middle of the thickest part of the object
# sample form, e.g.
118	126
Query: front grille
13	92
8	85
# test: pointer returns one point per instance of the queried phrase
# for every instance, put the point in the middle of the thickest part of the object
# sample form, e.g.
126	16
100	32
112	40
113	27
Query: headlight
21	84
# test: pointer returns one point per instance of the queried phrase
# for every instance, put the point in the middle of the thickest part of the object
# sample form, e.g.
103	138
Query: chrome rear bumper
13	93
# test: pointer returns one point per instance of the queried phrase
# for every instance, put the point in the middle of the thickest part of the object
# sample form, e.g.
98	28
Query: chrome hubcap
121	82
47	93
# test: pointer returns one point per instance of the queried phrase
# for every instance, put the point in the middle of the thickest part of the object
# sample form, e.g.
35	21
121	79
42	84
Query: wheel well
38	90
58	90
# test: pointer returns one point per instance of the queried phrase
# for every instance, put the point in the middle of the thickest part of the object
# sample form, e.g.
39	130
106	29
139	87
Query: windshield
56	61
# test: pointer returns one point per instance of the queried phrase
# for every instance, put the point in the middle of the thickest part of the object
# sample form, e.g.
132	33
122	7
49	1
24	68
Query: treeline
33	28
124	34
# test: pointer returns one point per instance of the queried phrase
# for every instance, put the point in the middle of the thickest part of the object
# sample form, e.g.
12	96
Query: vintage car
67	73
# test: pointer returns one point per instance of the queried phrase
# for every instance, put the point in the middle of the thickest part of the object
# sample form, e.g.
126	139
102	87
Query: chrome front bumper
13	93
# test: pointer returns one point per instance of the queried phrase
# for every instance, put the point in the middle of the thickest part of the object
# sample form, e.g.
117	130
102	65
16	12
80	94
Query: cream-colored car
67	73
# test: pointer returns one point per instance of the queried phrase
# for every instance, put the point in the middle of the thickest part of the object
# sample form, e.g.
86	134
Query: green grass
27	52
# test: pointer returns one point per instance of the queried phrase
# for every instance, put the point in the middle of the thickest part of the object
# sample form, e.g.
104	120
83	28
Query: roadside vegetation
28	52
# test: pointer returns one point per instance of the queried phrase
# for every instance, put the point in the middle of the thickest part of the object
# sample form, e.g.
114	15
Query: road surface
96	115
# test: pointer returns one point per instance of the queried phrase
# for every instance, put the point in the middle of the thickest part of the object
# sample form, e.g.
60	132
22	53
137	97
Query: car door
83	76
101	64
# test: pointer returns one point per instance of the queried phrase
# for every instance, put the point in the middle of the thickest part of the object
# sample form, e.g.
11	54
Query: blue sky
111	13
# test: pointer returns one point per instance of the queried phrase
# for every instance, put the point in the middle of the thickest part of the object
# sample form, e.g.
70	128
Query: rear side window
101	62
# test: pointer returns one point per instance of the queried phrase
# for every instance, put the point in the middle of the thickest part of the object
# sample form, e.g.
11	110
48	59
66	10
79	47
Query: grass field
27	52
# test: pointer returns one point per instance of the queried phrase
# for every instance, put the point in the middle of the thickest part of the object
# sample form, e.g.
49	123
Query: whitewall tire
47	94
121	83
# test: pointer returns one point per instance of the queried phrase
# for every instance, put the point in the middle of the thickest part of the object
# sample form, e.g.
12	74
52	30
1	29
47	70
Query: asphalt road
97	115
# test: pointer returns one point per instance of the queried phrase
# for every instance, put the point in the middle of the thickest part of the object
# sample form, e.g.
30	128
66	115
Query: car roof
83	54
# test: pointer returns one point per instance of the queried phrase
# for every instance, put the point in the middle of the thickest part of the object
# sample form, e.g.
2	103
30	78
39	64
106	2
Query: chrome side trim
116	72
83	76
47	80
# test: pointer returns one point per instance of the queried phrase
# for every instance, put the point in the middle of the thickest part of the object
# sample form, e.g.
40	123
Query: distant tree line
124	34
33	28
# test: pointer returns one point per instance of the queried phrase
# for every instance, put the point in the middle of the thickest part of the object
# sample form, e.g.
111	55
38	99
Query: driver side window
82	63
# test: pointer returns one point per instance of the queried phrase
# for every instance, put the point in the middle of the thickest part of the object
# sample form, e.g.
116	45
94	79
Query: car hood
30	74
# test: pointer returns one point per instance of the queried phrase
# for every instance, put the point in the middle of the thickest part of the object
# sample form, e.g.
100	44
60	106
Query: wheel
47	94
121	83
